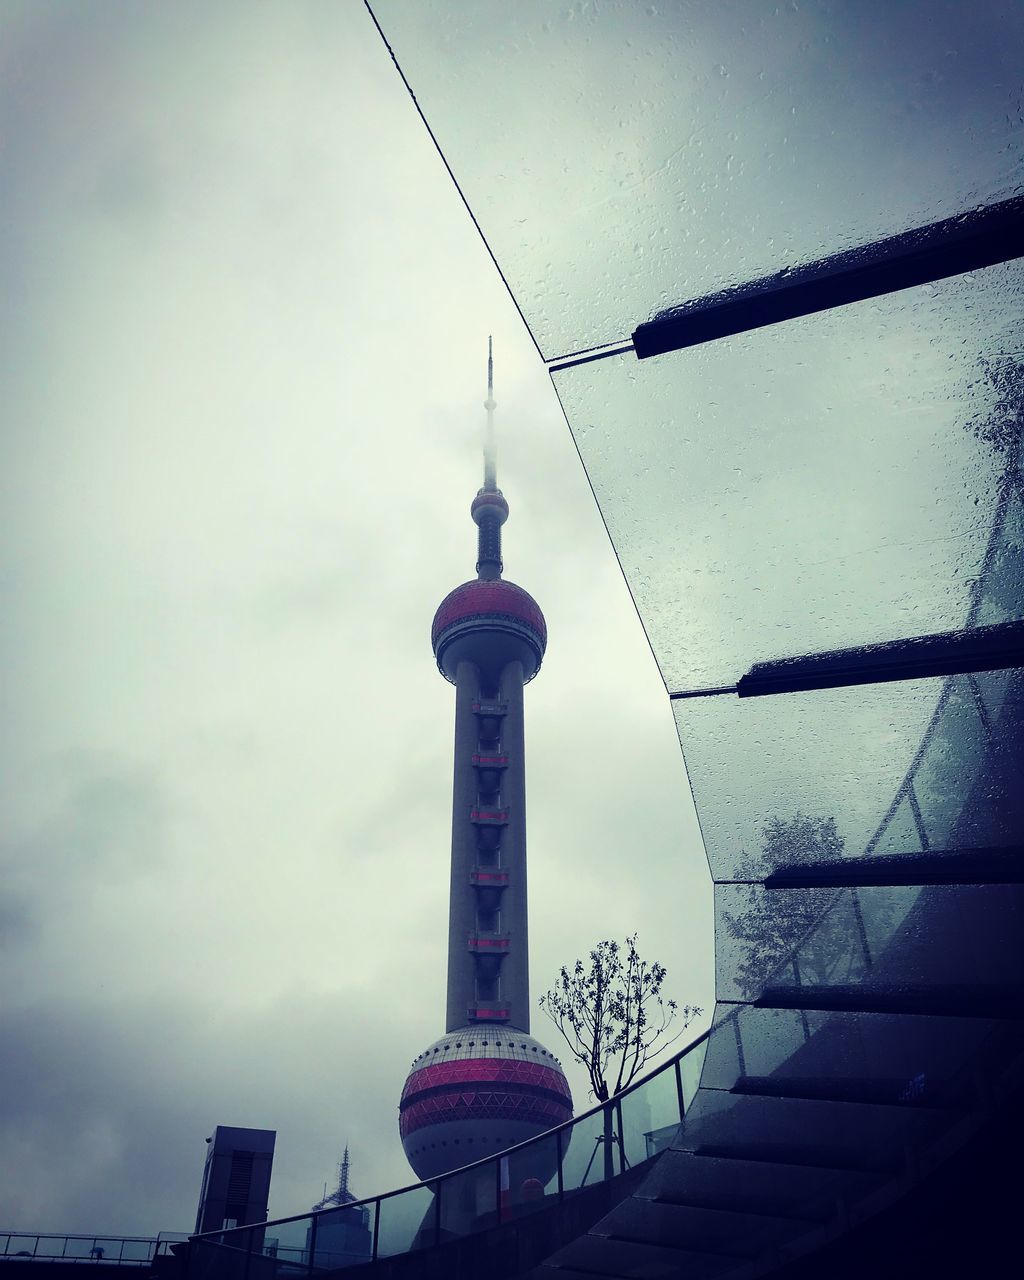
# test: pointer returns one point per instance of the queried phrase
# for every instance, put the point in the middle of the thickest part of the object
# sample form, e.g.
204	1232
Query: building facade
236	1178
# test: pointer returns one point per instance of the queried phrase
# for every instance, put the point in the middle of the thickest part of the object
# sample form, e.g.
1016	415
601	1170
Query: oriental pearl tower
486	1084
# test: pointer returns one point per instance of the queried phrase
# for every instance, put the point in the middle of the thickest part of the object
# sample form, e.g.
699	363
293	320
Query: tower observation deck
486	1084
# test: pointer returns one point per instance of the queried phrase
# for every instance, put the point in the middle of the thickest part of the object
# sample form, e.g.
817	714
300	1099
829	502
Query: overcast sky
244	325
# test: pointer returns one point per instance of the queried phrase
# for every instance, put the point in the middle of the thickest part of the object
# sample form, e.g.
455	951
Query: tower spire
489	509
342	1194
490	446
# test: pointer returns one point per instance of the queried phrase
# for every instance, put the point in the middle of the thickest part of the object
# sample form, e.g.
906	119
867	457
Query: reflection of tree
774	922
1001	423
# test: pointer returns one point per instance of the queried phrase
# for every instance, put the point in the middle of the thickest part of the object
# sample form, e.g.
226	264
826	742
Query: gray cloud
243	373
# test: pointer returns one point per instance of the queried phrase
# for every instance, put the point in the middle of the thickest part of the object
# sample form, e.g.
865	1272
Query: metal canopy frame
993	648
981	238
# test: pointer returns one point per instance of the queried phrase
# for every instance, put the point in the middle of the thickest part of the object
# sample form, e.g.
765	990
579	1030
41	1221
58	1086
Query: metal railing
604	1142
112	1250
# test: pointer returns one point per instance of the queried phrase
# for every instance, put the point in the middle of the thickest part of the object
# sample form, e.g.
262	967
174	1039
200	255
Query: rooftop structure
341	1195
343	1236
236	1178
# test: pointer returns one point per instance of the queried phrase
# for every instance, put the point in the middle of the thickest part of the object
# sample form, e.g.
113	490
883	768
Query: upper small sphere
489	622
489	503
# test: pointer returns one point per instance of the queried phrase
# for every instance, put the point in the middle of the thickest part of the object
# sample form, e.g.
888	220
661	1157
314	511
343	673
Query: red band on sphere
485	1071
482	598
483	1104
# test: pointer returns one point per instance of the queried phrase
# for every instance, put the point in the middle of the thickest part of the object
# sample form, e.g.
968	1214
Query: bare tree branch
604	1013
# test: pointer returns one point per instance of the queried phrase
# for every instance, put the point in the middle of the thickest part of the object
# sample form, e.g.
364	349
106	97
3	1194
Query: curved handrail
491	1161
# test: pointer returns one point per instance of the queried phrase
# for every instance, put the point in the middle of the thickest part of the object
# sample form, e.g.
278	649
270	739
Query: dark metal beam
945	653
806	1157
968	1001
569	1270
689	1250
776	1215
959	866
877	1092
968	242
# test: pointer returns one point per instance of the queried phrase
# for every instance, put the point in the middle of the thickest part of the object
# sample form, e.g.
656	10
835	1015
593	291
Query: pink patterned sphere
489	622
477	1091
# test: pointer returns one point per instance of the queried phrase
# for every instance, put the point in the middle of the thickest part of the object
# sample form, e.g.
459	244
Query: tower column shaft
515	976
462	900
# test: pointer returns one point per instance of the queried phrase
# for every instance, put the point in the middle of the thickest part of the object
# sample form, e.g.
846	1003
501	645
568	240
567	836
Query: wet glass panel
952	757
136	1250
955	941
743	1045
21	1245
650	1117
696	1229
469	1200
1001	588
803	778
785	937
968	779
407	1222
530	1179
993	688
53	1247
593	1151
625	157
955	935
593	1255
899	832
810	486
241	1240
994	813
754	1186
344	1237
690	1068
211	1261
835	1135
913	1060
725	1055
288	1243
758	930
78	1246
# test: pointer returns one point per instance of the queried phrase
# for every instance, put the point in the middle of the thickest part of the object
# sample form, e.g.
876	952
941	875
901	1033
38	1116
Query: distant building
343	1235
236	1179
341	1195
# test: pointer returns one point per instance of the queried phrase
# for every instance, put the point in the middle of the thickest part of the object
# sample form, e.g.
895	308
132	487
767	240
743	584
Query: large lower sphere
477	1091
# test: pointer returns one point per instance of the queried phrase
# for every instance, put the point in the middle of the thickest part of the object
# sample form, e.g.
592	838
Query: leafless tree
612	1015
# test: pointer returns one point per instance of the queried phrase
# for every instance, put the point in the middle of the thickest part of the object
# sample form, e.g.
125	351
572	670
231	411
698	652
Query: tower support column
515	977
462	900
